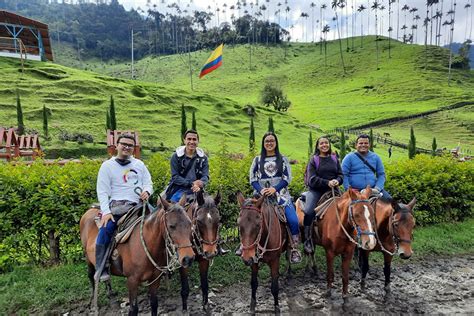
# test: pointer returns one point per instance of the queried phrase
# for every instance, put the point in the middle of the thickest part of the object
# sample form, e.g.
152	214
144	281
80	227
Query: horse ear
240	198
182	200
259	202
352	194
412	203
165	203
218	198
200	197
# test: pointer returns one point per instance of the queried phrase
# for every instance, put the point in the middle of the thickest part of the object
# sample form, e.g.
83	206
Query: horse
346	216
159	244
263	238
394	228
205	219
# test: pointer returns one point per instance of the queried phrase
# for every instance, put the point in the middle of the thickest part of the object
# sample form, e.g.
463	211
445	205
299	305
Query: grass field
62	288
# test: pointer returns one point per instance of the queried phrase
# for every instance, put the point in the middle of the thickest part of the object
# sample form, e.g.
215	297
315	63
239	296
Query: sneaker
295	256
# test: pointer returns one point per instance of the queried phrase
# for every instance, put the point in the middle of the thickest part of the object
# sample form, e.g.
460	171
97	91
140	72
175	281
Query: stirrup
295	256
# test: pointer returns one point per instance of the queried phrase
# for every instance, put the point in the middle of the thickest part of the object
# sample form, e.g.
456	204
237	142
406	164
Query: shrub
444	188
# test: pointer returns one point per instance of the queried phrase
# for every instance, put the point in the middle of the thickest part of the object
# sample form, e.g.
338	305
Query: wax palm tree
335	5
390	29
325	32
467	6
416	19
431	3
321	18
375	7
360	10
452	13
405	9
439	17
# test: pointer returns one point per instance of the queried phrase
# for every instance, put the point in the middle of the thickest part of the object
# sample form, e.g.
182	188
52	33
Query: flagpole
190	68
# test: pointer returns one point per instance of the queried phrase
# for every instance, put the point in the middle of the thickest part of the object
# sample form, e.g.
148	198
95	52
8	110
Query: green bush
443	187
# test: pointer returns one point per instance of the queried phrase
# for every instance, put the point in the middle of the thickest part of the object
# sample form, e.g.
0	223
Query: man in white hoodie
189	168
117	183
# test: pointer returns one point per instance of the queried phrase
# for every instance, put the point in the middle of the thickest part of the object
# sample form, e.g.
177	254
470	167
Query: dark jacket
319	177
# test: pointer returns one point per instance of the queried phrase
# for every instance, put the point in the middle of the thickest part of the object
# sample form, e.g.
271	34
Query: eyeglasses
127	145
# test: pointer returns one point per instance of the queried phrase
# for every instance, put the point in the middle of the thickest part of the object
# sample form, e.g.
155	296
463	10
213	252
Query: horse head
251	226
401	227
361	217
206	220
178	230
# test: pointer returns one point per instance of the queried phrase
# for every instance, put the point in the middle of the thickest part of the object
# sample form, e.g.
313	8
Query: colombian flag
213	62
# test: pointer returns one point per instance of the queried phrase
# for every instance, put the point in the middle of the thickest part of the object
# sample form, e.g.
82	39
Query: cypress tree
183	123
194	121
270	125
371	140
342	143
434	146
310	141
45	122
412	144
107	121
252	136
19	115
113	120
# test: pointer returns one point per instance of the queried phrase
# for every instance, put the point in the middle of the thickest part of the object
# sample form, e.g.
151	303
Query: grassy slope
321	95
78	101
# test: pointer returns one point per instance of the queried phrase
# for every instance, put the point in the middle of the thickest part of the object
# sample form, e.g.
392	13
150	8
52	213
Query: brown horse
395	223
347	223
150	251
263	237
205	220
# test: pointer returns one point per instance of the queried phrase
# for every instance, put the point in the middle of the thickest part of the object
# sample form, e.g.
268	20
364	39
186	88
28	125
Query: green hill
78	100
321	94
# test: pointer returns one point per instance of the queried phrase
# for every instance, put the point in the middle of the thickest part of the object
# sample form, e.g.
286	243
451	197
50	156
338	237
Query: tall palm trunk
340	42
451	41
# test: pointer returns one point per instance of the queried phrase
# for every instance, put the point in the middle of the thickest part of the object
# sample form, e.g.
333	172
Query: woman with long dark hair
270	175
323	173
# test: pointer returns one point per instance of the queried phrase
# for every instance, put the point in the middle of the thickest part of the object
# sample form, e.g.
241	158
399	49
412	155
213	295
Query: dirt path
436	285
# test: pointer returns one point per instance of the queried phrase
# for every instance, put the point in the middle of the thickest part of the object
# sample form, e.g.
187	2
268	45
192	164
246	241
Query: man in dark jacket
189	168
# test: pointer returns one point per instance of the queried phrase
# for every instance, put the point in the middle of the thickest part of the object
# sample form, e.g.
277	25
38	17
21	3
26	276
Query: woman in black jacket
323	172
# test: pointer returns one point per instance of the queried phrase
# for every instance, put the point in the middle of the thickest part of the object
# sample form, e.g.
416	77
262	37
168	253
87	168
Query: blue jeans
292	219
106	233
178	194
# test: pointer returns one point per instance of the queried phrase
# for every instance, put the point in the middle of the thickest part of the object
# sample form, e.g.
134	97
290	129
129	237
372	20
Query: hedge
41	205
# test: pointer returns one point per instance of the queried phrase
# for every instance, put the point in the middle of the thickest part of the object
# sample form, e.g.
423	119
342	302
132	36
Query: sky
305	30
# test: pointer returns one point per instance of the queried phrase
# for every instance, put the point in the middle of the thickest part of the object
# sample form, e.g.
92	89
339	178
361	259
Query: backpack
316	160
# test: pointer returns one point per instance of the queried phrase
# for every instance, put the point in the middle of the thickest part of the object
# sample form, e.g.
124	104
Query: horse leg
364	266
132	285
152	289
254	285
90	275
345	266
387	263
203	269
330	271
289	272
274	266
184	287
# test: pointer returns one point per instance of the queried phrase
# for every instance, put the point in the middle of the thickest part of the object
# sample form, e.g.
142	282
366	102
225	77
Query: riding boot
308	242
295	256
100	253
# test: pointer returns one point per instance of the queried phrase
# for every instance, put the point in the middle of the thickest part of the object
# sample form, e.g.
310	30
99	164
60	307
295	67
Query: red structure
112	142
29	146
13	146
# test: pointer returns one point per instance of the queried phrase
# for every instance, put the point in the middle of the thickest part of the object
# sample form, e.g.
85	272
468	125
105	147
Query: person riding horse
117	181
323	173
364	168
189	168
270	175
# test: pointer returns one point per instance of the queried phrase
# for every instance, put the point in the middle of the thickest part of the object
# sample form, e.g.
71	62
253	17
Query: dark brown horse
395	223
348	222
263	237
160	244
205	220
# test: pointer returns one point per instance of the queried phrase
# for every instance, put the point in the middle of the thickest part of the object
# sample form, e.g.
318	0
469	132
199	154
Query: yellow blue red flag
213	62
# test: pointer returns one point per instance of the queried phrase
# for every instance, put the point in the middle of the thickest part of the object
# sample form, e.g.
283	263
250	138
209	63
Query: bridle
352	222
198	240
260	250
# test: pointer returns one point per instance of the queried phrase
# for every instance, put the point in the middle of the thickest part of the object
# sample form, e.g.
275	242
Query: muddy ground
428	286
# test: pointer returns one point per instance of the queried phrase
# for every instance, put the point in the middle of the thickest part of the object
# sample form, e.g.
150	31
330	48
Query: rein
172	261
351	221
198	240
261	250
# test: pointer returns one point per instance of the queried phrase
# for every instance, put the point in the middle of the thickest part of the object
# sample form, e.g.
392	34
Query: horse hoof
387	289
253	304
277	309
362	284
